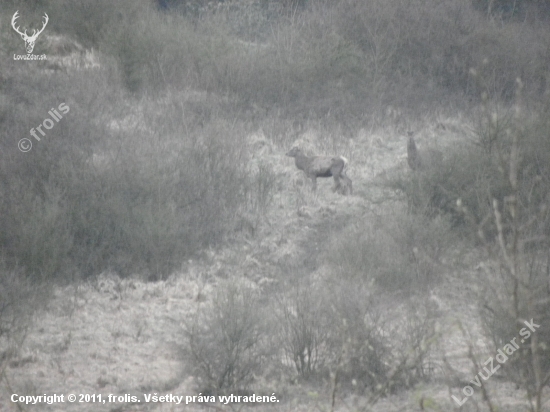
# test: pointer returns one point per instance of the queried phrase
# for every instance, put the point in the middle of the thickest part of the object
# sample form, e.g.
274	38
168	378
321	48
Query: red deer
323	166
421	159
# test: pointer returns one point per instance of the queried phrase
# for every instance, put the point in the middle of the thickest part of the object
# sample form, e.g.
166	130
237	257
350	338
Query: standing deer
29	40
421	159
323	166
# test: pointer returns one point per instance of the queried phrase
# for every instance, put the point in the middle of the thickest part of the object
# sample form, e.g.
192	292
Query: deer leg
337	184
348	186
314	181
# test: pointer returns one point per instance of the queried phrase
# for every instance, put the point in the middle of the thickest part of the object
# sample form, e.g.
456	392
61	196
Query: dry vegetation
157	240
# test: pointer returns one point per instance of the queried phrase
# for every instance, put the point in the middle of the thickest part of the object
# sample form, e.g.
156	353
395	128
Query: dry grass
124	336
171	179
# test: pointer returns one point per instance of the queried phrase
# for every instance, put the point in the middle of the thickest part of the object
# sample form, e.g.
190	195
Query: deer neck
302	162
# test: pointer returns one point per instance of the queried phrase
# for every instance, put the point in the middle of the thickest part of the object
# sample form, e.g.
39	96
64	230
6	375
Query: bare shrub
304	330
472	176
305	67
44	238
88	205
514	230
259	192
153	51
468	174
360	350
91	21
431	192
400	252
319	59
338	332
36	185
20	297
224	339
375	347
161	200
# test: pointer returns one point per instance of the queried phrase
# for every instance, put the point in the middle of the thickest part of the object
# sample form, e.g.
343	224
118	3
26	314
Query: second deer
421	159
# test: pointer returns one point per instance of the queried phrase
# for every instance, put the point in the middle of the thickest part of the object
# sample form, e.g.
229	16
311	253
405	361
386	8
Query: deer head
29	40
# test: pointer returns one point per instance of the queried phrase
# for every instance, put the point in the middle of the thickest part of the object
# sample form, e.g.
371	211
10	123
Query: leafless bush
89	206
377	349
20	297
260	190
224	340
400	252
515	232
304	330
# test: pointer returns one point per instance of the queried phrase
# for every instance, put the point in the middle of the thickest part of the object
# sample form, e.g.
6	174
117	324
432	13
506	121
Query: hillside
156	241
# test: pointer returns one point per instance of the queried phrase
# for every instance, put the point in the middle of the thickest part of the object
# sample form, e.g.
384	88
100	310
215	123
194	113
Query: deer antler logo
29	40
